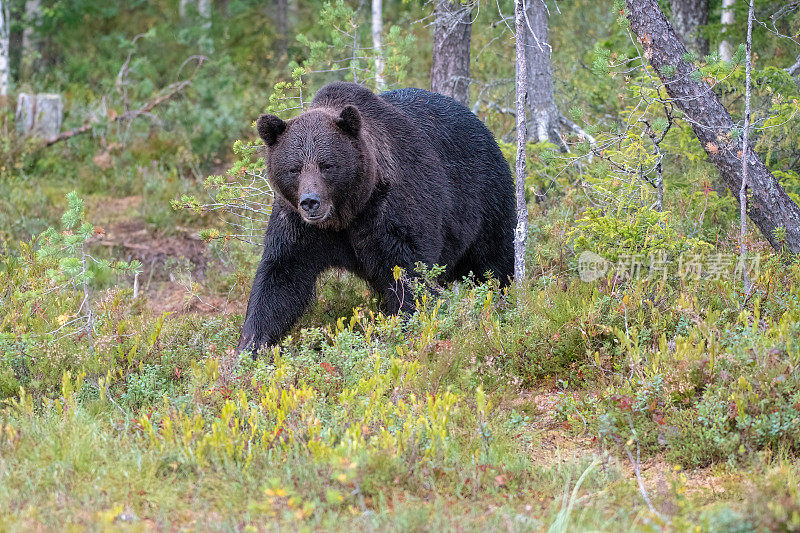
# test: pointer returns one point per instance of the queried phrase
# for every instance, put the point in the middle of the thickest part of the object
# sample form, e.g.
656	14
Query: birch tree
4	49
452	32
377	43
745	150
725	49
521	78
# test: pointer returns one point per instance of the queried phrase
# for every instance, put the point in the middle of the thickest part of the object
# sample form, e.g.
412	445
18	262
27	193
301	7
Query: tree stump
39	114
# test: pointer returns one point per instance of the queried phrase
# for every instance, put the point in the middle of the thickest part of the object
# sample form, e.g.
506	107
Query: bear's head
319	164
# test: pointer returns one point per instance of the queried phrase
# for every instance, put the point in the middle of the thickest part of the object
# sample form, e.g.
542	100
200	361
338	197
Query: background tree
687	18
281	17
200	7
5	63
725	49
522	91
30	50
544	114
452	31
377	43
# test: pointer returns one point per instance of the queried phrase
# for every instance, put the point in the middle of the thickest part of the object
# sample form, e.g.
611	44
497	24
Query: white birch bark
39	114
377	43
745	148
725	49
521	231
4	52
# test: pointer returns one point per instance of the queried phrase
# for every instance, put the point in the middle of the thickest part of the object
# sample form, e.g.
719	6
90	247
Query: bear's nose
310	202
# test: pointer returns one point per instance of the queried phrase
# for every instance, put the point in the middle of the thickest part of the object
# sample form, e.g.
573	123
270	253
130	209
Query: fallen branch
130	115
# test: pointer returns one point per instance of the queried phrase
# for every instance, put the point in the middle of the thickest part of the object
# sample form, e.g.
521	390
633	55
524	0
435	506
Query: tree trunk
745	149
377	43
29	51
725	50
31	21
282	27
5	63
521	71
541	100
770	208
39	114
452	31
687	17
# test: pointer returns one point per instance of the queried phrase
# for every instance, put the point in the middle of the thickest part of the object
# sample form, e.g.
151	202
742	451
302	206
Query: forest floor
522	411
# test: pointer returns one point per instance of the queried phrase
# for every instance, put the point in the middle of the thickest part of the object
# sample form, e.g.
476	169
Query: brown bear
365	182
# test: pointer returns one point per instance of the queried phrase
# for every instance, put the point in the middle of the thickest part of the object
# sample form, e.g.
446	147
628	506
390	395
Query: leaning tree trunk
725	49
5	63
770	207
541	100
521	74
452	31
687	17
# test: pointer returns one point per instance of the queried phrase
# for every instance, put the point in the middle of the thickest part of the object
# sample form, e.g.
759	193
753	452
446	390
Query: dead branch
132	114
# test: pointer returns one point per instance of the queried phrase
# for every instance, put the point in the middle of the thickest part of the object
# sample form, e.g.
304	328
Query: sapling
76	266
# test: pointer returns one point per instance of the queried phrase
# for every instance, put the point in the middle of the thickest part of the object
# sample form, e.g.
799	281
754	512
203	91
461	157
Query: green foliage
641	231
487	409
242	200
342	48
68	249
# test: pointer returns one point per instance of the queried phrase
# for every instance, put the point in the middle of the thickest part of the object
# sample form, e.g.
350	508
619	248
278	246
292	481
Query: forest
640	373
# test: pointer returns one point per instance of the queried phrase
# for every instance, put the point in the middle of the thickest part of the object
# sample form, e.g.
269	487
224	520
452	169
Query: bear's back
473	161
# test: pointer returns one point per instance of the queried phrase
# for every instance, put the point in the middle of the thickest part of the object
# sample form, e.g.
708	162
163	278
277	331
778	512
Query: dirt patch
177	298
133	239
171	263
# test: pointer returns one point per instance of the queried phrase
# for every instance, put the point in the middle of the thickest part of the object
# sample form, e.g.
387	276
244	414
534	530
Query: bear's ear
349	120
269	128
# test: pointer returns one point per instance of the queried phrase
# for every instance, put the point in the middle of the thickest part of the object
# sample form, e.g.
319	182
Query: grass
556	405
484	411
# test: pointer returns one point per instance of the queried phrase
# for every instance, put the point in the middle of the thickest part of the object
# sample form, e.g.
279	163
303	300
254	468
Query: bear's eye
294	171
325	166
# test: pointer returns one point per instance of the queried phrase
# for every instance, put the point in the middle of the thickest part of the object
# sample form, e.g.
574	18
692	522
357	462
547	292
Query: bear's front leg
379	254
284	283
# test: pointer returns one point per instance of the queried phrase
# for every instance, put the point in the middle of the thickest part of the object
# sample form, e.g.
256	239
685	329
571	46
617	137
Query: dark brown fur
366	182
